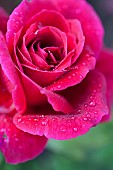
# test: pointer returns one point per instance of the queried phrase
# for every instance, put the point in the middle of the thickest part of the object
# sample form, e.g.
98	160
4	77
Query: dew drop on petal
44	123
19	120
85	118
59	86
81	77
88	115
85	105
78	111
83	64
63	130
16	13
75	129
92	103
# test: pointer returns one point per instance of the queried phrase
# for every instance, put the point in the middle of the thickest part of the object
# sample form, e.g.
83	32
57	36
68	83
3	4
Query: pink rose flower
55	76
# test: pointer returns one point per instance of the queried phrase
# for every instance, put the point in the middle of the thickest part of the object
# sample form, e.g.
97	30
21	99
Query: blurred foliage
93	151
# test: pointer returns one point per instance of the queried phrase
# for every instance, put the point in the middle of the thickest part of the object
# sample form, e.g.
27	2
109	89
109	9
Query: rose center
48	44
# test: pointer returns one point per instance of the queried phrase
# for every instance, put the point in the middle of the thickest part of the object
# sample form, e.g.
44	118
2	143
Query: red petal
16	145
90	22
42	78
3	20
5	97
36	95
10	71
104	64
76	74
89	102
20	16
75	28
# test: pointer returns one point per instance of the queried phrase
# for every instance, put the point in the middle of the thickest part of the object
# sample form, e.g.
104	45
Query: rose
48	67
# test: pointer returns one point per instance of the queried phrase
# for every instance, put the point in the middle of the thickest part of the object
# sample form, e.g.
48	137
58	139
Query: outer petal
72	9
16	145
105	65
90	22
10	71
39	96
3	20
89	102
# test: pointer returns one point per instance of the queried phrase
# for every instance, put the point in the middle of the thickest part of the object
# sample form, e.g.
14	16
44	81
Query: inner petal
49	45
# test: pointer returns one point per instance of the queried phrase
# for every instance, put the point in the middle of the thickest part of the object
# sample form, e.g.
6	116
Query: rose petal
76	74
42	78
5	97
90	22
72	56
21	15
16	145
3	20
10	71
89	102
36	95
104	64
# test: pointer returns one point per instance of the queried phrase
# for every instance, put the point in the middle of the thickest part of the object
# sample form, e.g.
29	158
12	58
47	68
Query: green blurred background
93	151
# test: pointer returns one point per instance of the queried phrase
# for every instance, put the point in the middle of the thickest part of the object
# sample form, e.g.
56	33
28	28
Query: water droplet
83	64
41	116
53	119
73	74
72	118
96	112
75	129
59	86
44	123
63	130
76	67
36	32
69	77
85	105
36	120
92	103
19	120
85	118
88	115
16	13
79	111
81	77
